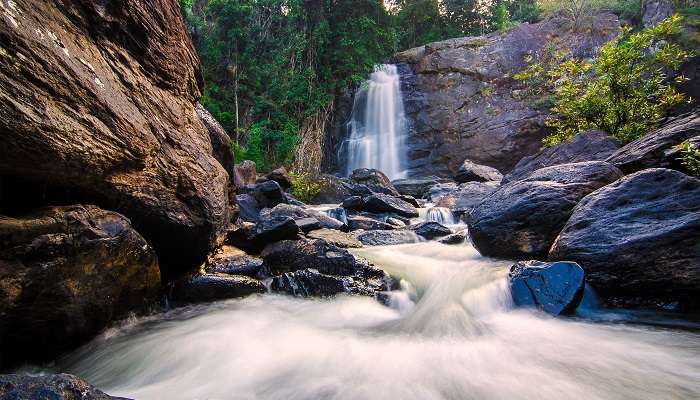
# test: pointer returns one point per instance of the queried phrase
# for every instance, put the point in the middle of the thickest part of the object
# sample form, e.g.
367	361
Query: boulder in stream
380	203
215	286
386	238
430	229
555	288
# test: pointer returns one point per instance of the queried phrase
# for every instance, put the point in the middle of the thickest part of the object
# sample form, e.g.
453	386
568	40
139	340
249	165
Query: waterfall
441	215
378	125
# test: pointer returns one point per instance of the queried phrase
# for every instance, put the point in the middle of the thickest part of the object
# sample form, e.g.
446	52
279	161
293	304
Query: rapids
450	333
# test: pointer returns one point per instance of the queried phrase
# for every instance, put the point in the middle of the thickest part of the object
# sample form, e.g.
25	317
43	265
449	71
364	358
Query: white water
378	125
440	215
452	334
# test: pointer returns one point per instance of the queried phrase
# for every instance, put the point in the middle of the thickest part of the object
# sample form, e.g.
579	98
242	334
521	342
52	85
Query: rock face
99	101
522	219
658	148
555	288
461	103
54	387
639	238
65	273
586	146
472	172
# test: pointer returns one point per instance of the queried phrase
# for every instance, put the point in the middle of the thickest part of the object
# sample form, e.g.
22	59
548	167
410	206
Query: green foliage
303	188
624	91
690	158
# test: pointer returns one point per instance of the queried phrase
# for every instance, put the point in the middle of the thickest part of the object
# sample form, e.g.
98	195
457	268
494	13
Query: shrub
624	91
690	158
304	188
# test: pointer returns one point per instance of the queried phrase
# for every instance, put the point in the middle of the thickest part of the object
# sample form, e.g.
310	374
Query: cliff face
459	94
99	104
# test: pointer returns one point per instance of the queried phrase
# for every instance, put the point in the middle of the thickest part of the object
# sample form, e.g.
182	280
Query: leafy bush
304	188
690	158
625	91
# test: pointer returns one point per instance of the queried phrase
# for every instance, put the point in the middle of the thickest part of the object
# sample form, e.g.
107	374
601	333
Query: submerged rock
472	172
556	288
65	274
49	387
587	146
215	286
430	229
522	218
639	239
386	238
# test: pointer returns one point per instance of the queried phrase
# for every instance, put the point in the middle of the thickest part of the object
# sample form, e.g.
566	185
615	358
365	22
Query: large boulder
472	172
639	238
660	147
555	288
53	387
461	103
99	104
268	194
521	219
65	274
587	146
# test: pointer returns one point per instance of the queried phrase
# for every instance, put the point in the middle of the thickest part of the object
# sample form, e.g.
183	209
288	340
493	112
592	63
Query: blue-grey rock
555	288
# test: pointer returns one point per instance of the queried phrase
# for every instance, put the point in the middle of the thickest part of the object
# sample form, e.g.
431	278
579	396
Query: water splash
440	215
378	125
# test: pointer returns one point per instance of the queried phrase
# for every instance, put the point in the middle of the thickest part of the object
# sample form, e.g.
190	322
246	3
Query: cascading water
441	215
452	333
378	125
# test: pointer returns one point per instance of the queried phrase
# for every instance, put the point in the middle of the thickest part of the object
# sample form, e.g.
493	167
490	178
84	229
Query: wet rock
101	105
455	238
587	146
336	238
555	288
272	228
386	238
233	261
244	174
356	222
268	194
215	286
53	387
380	203
639	238
248	208
467	196
660	147
294	255
311	283
65	274
522	218
430	230
472	172
338	213
281	176
417	187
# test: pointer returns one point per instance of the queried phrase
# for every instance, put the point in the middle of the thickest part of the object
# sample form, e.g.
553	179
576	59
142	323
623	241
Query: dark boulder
65	274
336	238
472	172
430	230
269	194
386	238
244	174
293	255
522	219
215	286
248	208
281	176
272	228
49	387
356	222
555	288
587	146
639	239
380	203
658	148
100	106
233	261
417	187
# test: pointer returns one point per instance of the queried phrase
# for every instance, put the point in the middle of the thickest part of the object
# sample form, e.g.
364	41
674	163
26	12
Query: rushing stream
378	125
451	333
